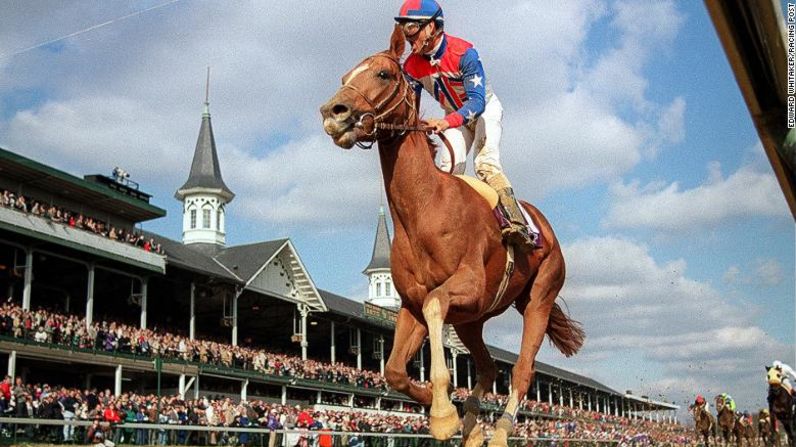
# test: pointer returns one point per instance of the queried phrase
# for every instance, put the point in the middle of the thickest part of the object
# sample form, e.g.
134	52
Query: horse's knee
397	377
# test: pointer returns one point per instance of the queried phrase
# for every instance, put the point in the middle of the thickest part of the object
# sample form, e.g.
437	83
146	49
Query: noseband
402	89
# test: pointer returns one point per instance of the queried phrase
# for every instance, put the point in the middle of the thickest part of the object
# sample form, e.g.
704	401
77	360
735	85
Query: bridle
401	89
384	108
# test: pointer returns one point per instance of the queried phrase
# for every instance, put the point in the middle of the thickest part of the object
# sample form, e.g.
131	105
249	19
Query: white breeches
483	139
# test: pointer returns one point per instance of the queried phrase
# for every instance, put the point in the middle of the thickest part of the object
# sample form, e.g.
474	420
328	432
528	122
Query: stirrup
519	237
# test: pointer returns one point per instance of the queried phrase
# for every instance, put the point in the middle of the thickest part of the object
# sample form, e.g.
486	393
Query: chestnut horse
704	422
448	260
764	427
780	405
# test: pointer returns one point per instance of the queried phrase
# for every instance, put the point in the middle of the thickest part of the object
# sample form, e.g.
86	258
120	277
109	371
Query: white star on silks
476	80
470	117
432	61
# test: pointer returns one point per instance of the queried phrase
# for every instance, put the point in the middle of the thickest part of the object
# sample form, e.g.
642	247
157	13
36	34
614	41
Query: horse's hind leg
548	282
411	334
471	335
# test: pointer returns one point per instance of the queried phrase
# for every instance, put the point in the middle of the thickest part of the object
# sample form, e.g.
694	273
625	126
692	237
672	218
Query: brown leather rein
377	115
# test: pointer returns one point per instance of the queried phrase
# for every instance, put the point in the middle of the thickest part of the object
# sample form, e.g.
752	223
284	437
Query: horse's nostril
340	109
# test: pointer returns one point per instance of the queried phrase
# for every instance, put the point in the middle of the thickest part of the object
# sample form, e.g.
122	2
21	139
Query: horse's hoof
444	426
476	437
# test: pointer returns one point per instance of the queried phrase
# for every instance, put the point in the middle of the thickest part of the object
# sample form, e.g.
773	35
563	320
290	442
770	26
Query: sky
622	122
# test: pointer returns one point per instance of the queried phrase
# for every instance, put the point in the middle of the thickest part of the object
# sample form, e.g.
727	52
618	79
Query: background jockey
729	402
449	69
699	402
787	374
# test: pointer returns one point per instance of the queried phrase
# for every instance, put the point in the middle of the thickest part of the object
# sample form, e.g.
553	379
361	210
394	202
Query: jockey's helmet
699	399
777	364
422	11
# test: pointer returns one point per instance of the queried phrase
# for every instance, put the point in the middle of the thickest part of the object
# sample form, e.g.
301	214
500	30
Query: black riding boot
516	233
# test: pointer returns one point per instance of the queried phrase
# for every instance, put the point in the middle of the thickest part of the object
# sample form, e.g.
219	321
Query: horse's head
719	403
373	93
774	376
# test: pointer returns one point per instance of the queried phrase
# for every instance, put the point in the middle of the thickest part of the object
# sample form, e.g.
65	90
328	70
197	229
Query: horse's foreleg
471	335
409	337
443	419
548	282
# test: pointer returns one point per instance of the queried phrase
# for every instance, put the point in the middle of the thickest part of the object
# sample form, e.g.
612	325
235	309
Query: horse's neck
410	176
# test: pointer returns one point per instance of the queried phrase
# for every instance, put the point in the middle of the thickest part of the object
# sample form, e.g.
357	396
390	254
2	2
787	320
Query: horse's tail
565	333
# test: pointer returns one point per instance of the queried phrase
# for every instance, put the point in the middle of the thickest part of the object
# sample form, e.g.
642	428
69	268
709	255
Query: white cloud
769	272
671	334
746	193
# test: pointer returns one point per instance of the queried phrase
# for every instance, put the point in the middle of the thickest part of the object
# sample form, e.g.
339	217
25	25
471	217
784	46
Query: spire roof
381	246
205	169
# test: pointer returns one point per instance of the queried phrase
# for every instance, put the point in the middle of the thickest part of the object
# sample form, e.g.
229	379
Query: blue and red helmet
420	11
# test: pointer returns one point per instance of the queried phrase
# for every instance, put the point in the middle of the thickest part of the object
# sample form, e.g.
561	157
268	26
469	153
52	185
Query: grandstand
94	303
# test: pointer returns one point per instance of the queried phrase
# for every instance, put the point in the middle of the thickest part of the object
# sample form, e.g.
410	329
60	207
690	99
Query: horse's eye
384	74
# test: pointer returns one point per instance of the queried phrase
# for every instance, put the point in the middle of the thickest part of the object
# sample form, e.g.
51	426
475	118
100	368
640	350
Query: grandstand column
244	387
333	347
538	390
494	387
550	393
284	395
181	386
28	279
12	364
616	406
359	349
192	320
423	362
381	354
117	382
196	387
235	318
318	397
469	375
378	403
560	395
588	402
571	400
304	311
90	295
144	284
351	400
580	401
454	356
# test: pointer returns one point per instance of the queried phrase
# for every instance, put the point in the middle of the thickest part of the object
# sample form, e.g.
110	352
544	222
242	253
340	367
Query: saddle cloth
491	198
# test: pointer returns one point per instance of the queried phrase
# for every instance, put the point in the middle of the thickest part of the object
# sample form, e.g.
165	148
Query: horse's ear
767	368
397	42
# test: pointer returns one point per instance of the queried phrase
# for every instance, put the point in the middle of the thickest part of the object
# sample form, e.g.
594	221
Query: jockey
699	402
728	401
450	70
787	373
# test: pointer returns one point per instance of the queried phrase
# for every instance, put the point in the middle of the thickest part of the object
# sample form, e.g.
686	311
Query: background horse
780	405
448	260
764	427
726	420
704	422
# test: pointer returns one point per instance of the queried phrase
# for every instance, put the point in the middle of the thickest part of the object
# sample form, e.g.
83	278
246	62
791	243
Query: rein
377	115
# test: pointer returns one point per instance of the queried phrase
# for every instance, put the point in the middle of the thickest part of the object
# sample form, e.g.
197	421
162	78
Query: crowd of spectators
105	411
77	220
47	327
69	330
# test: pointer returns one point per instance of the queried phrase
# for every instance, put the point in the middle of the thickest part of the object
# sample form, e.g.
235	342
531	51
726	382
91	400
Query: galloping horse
726	420
764	427
704	422
780	405
448	261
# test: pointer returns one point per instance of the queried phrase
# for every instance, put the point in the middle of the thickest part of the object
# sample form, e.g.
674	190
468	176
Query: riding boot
516	233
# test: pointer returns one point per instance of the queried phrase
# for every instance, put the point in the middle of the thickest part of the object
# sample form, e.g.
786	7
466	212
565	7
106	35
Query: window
387	286
218	220
378	289
206	218
193	219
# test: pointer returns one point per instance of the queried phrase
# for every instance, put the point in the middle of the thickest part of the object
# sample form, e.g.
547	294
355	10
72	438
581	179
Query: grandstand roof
205	169
381	246
242	264
25	171
553	371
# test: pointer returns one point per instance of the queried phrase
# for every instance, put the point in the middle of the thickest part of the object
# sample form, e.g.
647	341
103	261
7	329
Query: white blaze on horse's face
355	72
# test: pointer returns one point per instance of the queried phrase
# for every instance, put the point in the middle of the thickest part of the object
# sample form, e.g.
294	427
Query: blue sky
623	123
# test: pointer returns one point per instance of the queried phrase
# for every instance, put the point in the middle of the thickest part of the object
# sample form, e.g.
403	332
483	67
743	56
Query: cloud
663	327
748	192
